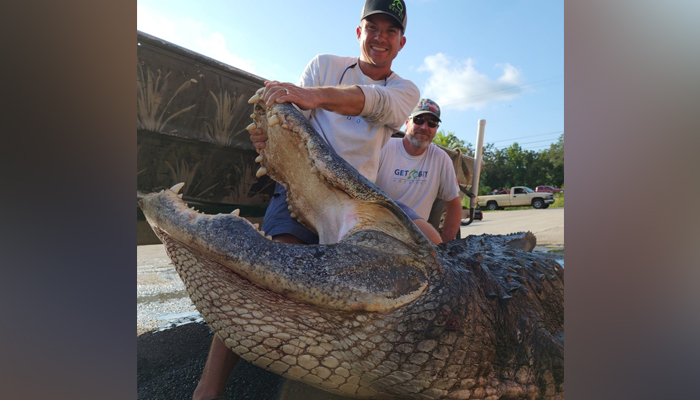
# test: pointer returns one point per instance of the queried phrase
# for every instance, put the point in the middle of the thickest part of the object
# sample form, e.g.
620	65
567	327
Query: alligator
374	310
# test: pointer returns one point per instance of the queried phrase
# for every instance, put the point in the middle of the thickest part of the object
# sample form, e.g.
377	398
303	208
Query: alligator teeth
254	99
314	169
262	232
274	120
293	215
253	116
285	126
236	212
176	189
251	126
256	226
259	158
262	171
179	195
269	237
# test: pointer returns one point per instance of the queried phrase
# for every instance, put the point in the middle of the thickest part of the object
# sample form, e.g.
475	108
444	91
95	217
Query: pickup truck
519	196
546	188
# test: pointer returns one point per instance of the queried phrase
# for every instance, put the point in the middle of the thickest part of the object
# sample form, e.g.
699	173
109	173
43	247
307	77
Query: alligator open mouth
375	310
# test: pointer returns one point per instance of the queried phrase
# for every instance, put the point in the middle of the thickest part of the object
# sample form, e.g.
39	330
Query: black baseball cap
394	8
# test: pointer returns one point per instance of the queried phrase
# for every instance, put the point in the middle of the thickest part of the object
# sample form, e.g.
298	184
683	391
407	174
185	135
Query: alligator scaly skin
377	311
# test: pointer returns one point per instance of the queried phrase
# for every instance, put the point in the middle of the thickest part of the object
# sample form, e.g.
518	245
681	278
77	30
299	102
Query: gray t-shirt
416	180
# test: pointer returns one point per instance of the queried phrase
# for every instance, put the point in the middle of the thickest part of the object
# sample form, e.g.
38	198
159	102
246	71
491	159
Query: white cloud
458	85
214	46
192	35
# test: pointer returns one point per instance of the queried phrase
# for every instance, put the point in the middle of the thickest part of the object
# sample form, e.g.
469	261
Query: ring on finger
286	91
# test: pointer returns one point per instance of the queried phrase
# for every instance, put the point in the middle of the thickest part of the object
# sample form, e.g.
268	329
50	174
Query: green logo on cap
397	7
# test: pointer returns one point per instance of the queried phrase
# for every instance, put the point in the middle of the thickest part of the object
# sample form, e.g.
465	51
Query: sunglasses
420	120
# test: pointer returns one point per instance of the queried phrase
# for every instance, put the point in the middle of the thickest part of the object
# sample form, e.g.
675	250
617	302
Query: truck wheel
492	206
538	203
546	206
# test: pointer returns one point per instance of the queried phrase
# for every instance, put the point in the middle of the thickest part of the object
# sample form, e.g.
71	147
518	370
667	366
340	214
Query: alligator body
375	310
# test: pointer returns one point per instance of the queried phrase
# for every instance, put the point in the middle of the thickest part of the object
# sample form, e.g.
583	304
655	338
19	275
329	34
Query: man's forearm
453	217
344	101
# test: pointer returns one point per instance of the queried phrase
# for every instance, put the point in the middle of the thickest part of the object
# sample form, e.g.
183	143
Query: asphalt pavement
546	224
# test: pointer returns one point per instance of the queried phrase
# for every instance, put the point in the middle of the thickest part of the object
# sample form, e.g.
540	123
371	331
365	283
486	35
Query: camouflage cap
427	106
394	8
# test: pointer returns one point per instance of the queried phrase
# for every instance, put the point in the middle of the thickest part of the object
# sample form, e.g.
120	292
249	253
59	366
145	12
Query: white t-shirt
416	181
359	139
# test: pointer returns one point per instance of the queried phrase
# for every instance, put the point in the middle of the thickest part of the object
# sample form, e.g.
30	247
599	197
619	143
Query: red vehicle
548	189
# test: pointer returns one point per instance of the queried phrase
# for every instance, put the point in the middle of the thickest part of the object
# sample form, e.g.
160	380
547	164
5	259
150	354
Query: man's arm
453	217
347	100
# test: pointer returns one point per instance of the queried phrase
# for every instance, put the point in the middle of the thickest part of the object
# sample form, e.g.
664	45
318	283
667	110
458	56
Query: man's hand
280	92
283	92
259	138
453	217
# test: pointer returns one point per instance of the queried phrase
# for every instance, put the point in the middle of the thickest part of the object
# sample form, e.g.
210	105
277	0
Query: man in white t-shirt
356	104
414	171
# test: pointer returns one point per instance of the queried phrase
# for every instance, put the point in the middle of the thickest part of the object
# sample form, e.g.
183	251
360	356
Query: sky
502	61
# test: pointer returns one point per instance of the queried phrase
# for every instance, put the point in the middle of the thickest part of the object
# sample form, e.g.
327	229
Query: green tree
451	141
555	155
494	173
513	166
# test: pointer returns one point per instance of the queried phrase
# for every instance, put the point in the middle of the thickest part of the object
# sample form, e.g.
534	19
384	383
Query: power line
523	148
524	137
520	144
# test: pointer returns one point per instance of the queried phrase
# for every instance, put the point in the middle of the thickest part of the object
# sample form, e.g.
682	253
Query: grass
558	202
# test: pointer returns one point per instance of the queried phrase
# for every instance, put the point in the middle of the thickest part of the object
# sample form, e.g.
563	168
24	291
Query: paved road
547	225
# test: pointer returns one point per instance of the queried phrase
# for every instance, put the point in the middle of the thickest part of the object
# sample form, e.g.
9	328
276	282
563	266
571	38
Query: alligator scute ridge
382	313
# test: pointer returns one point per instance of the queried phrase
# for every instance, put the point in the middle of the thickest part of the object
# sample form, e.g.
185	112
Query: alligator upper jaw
368	271
324	192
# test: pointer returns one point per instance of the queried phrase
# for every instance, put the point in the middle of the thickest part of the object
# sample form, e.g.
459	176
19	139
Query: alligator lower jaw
368	270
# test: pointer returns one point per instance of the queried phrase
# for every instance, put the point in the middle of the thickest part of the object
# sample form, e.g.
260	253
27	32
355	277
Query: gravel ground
161	299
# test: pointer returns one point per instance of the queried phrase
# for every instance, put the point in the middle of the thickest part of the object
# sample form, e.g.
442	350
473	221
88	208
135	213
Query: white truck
519	196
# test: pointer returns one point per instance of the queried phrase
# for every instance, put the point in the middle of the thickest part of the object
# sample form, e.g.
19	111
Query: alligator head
375	310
